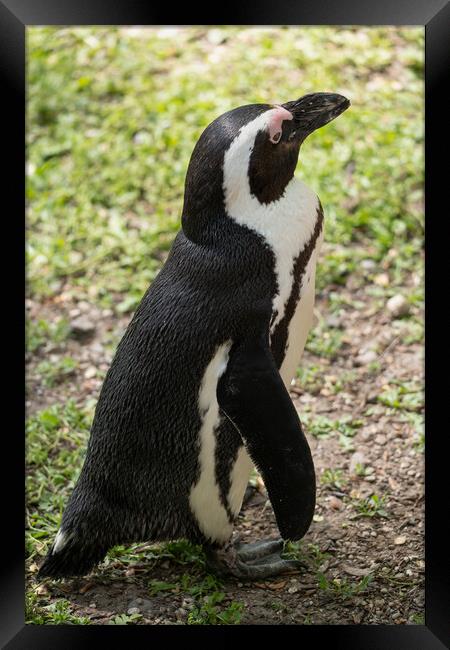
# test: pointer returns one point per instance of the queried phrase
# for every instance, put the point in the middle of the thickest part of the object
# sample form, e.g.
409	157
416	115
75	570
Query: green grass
40	332
317	560
342	588
410	332
324	342
372	506
310	378
333	478
208	612
360	469
407	396
125	619
56	372
208	608
322	426
344	380
56	613
416	421
418	619
309	554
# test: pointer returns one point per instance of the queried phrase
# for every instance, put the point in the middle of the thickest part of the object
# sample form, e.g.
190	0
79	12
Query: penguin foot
254	561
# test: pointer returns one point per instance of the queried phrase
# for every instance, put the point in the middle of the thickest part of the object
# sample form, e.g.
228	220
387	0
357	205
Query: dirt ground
364	557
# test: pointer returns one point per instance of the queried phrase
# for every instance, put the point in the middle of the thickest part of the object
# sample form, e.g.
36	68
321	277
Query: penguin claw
258	560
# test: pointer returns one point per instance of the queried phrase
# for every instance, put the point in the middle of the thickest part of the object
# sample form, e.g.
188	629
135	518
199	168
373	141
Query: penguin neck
288	215
285	224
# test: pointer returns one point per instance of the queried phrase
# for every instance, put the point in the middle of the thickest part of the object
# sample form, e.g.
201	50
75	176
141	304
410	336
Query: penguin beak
315	110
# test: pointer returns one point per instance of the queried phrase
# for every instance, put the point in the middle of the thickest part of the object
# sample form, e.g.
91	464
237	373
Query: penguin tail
71	555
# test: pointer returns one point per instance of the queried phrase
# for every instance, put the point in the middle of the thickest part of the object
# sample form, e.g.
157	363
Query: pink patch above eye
276	119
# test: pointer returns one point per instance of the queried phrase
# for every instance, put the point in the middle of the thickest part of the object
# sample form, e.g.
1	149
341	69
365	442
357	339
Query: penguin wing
252	395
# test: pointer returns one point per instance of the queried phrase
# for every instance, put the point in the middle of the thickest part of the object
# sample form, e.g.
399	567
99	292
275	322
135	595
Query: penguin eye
276	137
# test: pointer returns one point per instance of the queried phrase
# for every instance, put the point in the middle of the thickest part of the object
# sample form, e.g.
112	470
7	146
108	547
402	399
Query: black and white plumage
197	390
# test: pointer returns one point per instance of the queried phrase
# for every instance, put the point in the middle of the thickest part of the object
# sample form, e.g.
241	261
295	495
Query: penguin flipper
252	395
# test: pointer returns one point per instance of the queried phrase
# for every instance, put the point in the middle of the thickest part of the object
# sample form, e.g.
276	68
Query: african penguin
197	391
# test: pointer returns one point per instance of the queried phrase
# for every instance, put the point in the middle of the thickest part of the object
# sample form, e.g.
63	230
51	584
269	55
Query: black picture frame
434	15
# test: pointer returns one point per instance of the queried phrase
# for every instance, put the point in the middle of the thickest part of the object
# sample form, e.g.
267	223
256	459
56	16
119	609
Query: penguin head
252	149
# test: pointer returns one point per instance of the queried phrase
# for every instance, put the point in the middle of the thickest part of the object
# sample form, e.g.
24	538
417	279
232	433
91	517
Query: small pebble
336	503
90	372
82	328
382	280
398	305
